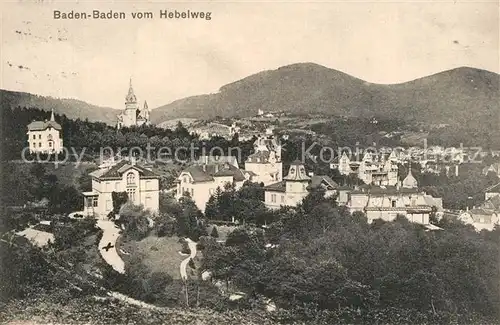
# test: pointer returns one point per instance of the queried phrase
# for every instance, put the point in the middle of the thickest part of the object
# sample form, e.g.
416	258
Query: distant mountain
454	97
72	108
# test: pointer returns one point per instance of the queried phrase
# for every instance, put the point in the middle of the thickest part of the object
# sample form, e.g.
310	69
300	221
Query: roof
383	190
317	181
481	211
130	98
297	172
276	187
492	203
43	125
120	168
249	172
493	189
432	227
410	181
207	159
207	172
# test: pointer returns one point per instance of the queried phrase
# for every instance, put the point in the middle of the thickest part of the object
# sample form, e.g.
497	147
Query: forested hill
72	108
451	97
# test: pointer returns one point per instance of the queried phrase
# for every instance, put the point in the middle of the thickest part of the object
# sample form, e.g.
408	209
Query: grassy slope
160	254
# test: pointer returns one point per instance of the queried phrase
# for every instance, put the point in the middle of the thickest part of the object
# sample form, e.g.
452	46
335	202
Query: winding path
110	234
184	263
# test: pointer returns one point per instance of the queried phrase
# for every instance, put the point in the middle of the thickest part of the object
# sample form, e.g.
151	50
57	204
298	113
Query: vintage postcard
250	162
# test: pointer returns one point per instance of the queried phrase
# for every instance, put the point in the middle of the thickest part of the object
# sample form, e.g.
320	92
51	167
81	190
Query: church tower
131	107
145	111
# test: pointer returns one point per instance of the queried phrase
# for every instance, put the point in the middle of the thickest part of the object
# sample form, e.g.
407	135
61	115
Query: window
39	136
39	144
109	205
131	194
292	170
34	137
192	192
148	201
49	137
148	185
282	199
130	178
186	179
393	203
273	198
50	144
95	201
117	186
88	202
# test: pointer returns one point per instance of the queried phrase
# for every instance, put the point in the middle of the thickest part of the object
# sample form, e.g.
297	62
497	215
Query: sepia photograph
250	162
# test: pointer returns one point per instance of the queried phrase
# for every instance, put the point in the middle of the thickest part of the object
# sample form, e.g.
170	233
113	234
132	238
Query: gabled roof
207	172
492	203
276	187
43	125
249	172
207	159
120	168
319	180
483	212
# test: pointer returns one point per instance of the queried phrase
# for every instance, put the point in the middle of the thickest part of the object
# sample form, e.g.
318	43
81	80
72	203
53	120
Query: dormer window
49	136
292	170
186	179
130	178
302	171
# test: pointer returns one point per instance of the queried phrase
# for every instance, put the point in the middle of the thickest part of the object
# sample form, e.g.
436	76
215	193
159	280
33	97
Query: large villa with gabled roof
140	184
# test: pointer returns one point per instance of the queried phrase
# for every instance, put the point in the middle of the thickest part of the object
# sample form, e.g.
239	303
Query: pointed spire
410	181
145	105
52	118
130	96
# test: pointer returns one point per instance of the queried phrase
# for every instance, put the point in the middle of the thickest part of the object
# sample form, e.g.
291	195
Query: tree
119	199
214	233
211	208
135	220
187	220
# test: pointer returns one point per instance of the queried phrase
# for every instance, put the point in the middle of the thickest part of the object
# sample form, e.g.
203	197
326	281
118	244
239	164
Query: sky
169	59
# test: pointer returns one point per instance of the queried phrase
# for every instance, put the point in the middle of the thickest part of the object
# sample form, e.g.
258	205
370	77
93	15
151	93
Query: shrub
214	233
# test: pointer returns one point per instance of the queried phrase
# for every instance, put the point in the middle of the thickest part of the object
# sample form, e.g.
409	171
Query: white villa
266	162
296	186
372	169
45	136
387	202
140	183
201	180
